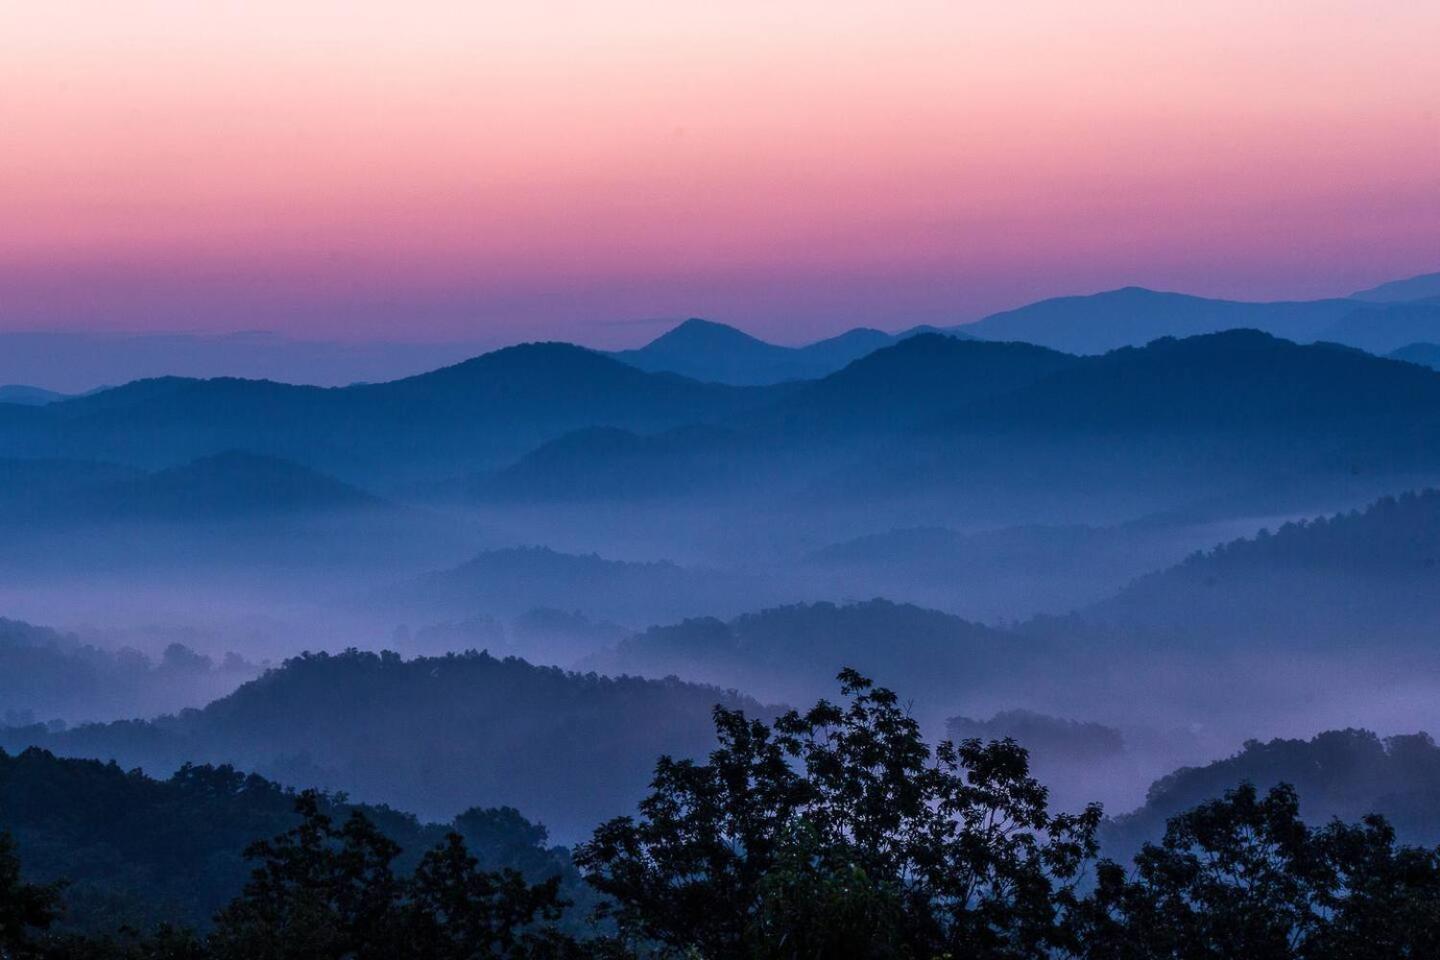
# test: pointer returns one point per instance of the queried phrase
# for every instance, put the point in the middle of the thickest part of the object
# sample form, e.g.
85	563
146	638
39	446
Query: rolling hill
791	653
893	388
1384	328
1339	773
225	487
1339	580
143	851
1239	381
436	735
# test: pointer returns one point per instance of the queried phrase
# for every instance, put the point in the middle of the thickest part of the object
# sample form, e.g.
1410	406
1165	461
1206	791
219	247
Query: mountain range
714	352
478	413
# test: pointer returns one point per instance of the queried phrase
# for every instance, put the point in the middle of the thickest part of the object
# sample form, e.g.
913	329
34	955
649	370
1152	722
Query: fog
978	559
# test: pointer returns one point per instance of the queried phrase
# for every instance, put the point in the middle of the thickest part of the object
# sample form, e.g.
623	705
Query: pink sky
478	170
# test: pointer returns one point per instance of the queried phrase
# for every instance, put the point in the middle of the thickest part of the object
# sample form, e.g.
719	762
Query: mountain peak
697	332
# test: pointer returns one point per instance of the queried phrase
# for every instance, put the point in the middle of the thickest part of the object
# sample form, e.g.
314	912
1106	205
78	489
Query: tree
839	833
326	892
1244	876
26	909
319	891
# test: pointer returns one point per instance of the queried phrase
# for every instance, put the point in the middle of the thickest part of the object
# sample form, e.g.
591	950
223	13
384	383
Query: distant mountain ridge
1382	328
1134	316
715	352
1424	286
465	417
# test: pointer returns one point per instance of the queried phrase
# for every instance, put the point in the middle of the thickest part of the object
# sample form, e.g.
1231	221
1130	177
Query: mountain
141	851
607	463
28	396
915	380
1425	354
1413	288
772	449
514	581
1036	436
1381	329
714	352
1332	581
1237	381
229	486
1340	773
790	653
471	416
1155	429
1133	316
435	735
75	362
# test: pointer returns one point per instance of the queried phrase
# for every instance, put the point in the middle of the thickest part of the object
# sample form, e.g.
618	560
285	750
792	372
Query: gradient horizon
492	173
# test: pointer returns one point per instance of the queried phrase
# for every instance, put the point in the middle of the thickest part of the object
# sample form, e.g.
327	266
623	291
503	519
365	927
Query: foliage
1244	876
322	891
26	909
835	833
834	822
141	852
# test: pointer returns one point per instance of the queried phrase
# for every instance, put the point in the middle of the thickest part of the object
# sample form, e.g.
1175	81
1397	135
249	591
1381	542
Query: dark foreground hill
435	735
140	851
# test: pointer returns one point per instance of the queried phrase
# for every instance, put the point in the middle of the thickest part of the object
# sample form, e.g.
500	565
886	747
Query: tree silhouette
26	909
1244	876
838	832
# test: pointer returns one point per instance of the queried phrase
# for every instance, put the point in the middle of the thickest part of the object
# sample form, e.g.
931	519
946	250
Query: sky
492	171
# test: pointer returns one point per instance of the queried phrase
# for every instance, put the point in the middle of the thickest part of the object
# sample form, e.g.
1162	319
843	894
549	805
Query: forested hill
786	653
1338	773
433	734
136	850
1342	578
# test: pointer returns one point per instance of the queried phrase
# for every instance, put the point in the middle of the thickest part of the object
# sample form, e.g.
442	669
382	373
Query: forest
836	831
